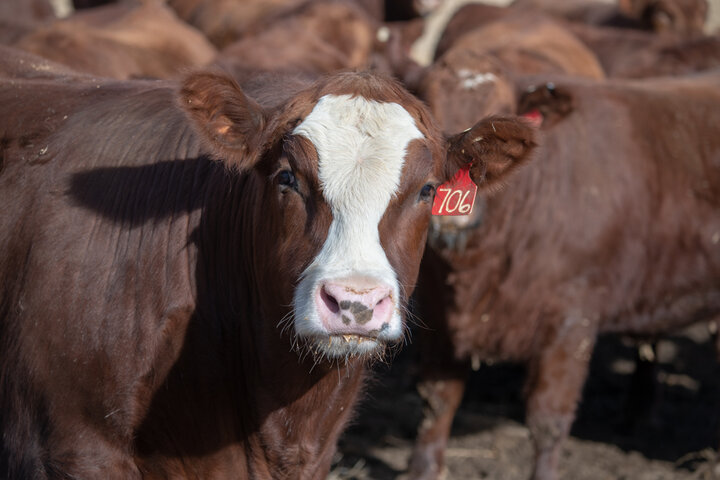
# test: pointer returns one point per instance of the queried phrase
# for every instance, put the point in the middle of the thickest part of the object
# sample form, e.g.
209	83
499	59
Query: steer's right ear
549	102
230	124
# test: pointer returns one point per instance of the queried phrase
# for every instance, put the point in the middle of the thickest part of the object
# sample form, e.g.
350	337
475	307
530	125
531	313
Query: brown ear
495	147
229	123
552	102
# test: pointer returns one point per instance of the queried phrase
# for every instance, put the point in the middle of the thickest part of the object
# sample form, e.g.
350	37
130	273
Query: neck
239	402
272	417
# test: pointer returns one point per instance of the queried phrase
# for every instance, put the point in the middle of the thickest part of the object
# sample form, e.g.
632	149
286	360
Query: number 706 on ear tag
456	196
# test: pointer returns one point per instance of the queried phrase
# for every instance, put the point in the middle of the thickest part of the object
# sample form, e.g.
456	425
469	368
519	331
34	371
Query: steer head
345	172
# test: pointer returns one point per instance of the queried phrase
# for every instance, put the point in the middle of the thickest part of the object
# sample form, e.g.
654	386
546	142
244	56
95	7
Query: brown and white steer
168	314
614	228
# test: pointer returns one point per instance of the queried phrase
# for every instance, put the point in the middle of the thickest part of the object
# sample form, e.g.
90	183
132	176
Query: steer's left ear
230	124
494	147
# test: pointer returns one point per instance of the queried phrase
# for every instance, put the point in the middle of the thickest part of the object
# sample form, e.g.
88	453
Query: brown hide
143	39
224	21
635	54
688	16
476	75
321	37
684	17
19	17
614	228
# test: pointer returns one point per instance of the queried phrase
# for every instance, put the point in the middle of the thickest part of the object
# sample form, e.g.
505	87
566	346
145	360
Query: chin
344	347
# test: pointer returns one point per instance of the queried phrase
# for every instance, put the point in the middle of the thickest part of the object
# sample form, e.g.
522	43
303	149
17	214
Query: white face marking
361	146
471	79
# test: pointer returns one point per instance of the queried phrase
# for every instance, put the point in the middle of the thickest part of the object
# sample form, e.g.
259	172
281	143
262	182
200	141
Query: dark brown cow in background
622	52
18	17
613	229
319	37
635	54
224	21
164	314
135	38
477	72
686	17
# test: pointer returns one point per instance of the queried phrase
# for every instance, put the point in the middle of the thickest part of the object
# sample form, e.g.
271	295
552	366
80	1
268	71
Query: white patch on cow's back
471	79
361	146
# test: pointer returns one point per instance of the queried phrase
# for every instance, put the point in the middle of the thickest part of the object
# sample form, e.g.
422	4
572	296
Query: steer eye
427	193
286	179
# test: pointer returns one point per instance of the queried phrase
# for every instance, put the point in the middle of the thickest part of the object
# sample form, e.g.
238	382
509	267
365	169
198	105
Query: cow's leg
643	395
442	375
441	392
555	381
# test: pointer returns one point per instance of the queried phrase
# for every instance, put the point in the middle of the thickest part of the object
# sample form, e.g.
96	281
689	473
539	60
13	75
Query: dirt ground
675	439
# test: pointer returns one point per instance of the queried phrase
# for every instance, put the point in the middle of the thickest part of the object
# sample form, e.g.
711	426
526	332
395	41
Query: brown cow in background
477	72
131	39
635	54
614	228
18	17
224	21
622	52
686	17
320	37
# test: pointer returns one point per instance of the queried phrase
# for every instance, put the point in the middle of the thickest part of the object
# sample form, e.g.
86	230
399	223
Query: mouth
345	346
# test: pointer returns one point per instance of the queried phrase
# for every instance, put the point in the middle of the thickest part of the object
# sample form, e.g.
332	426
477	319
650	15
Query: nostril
330	302
385	301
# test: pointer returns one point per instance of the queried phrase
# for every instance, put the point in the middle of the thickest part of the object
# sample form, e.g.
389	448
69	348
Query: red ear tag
535	117
456	196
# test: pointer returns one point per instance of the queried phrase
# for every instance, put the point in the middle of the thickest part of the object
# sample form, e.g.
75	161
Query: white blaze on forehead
361	146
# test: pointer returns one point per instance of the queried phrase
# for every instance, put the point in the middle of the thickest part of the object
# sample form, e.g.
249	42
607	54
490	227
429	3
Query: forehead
358	123
361	145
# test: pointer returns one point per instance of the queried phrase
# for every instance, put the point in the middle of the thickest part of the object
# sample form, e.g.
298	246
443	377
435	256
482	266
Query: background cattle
320	37
18	17
613	229
623	52
477	72
226	21
686	17
636	54
132	39
195	276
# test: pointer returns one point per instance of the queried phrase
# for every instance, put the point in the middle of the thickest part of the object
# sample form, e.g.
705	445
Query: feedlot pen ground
489	439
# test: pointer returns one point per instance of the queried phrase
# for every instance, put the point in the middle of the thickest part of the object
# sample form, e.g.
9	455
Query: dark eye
427	193
286	179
